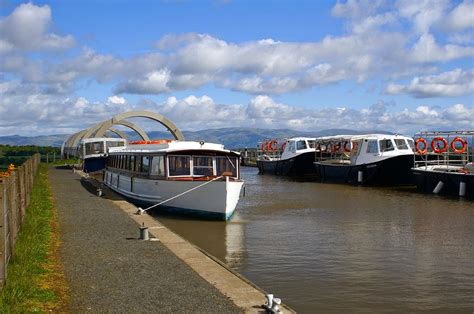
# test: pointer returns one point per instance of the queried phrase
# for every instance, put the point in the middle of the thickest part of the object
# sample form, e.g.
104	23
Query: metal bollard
99	192
144	233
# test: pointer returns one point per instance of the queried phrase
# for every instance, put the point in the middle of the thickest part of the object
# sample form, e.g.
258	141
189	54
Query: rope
181	194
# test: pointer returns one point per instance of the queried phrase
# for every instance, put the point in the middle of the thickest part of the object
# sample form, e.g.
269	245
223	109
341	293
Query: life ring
347	150
264	146
335	147
272	146
283	146
419	141
436	149
463	145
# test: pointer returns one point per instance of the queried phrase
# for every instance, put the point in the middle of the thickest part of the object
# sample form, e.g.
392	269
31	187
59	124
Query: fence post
12	213
3	262
21	190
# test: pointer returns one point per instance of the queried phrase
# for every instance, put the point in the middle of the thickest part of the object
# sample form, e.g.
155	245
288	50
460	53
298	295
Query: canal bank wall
109	268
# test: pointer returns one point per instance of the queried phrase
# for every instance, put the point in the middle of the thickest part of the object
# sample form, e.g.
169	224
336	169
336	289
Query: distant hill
230	137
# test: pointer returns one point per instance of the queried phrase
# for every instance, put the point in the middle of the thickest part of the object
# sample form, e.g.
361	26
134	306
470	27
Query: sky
401	66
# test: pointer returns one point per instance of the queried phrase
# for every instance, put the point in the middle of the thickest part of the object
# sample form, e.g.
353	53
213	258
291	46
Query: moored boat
288	157
94	151
372	159
187	177
445	163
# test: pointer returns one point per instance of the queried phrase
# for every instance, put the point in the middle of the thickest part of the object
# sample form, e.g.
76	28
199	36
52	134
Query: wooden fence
15	192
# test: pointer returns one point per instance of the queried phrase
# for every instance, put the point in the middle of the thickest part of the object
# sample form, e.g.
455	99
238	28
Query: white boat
376	159
445	162
188	177
288	157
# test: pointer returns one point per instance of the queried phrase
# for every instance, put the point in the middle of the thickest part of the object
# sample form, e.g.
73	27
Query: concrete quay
109	269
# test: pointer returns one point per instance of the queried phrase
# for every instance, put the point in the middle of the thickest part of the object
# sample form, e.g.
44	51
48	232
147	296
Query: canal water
339	248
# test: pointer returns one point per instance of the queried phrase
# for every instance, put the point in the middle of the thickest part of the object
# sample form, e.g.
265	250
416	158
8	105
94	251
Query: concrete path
109	270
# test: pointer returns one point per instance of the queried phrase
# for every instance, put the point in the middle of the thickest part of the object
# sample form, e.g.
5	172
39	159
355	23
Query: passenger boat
372	159
188	177
445	163
288	157
93	152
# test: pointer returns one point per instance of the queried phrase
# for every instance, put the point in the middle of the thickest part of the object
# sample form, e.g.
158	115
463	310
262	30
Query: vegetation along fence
15	192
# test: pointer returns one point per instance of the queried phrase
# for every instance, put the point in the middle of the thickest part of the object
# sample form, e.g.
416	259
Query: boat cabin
175	161
94	151
362	149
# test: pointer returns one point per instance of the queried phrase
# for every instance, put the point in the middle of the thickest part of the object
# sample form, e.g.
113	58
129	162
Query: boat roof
353	137
171	146
103	139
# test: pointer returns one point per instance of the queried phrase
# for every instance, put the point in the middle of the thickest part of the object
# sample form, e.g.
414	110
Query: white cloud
423	13
461	17
427	50
26	28
448	84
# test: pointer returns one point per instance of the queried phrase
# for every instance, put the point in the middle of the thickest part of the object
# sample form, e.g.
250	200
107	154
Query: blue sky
402	65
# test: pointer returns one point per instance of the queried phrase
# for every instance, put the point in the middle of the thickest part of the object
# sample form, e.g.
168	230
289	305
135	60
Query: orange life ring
463	145
272	146
264	145
436	149
347	150
417	146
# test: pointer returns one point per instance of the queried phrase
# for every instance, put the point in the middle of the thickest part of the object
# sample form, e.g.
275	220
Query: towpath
109	270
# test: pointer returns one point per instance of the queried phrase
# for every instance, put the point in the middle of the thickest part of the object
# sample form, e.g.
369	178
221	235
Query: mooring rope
140	210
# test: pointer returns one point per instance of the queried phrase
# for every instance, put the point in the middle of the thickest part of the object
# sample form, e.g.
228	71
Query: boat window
94	148
226	166
411	143
145	164
401	144
312	144
386	145
179	165
300	145
120	161
138	163
202	166
158	166
372	147
292	147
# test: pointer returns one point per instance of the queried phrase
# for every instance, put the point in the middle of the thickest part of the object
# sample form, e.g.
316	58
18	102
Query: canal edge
241	291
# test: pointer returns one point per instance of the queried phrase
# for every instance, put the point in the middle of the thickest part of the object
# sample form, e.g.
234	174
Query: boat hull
94	164
301	166
426	181
391	171
214	200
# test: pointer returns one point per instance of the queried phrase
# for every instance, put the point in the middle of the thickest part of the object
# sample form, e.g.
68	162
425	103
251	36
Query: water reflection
327	247
226	241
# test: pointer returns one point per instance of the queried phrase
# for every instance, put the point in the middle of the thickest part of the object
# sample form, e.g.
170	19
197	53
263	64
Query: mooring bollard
144	232
272	304
99	191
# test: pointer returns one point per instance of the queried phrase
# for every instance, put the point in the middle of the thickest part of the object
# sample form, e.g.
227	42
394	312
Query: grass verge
35	280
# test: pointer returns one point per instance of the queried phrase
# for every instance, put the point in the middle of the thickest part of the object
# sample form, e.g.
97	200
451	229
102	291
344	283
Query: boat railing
334	150
443	149
270	149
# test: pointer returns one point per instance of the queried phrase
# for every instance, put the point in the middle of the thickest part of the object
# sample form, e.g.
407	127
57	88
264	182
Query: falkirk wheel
99	130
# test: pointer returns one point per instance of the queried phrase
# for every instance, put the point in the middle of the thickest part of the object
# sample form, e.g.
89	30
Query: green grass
35	281
63	162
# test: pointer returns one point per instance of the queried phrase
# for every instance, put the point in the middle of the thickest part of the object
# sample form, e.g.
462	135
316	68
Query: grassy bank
35	279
